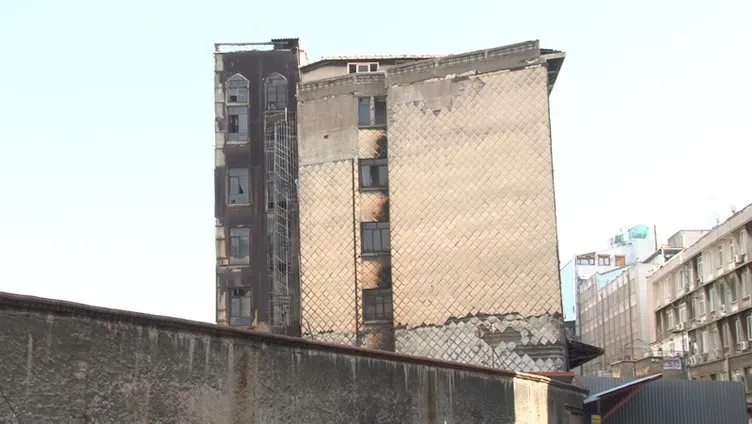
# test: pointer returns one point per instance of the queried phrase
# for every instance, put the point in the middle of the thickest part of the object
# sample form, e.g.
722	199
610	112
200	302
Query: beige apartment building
427	210
702	305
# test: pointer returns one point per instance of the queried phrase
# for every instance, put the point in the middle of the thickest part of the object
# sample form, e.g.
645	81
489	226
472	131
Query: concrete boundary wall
66	362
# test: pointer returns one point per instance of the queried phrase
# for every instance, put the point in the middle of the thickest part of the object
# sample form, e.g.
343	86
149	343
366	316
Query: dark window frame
380	165
276	92
377	305
234	248
372	112
237	298
375	238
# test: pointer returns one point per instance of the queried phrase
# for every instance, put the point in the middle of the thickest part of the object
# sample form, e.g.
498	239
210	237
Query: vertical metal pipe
355	255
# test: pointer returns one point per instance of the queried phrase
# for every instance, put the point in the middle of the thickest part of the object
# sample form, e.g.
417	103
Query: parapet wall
64	362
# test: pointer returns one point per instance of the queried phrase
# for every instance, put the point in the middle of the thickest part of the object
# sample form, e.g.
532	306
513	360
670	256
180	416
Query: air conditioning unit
742	346
738	259
680	326
703	318
722	309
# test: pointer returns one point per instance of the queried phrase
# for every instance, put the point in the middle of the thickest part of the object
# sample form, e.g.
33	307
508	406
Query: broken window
373	173
377	118
237	123
240	246
377	305
276	92
240	306
375	237
236	89
238	186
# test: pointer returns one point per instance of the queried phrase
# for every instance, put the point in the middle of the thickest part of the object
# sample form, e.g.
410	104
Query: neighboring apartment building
427	206
257	227
615	311
702	304
625	248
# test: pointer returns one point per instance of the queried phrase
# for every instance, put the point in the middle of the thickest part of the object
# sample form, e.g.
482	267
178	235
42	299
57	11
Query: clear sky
106	124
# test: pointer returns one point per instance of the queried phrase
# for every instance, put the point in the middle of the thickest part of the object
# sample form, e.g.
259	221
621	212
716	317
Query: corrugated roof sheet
677	401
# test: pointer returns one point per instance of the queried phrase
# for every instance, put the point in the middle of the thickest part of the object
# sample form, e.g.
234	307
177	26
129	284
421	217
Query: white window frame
701	303
738	330
683	313
358	67
237	84
743	241
719	256
670	318
700	272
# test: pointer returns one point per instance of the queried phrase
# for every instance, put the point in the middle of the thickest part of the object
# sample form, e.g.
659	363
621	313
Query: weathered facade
255	198
702	304
70	363
427	209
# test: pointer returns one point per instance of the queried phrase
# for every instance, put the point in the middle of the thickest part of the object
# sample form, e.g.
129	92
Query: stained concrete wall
73	363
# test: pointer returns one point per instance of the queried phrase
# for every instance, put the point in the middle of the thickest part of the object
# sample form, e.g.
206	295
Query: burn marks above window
373	174
237	186
374	238
276	92
377	305
372	111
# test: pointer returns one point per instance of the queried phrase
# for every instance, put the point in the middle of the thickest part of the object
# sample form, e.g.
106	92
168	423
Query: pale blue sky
106	124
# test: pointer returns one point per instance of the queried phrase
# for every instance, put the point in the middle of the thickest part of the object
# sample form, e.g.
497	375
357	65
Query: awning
580	353
609	401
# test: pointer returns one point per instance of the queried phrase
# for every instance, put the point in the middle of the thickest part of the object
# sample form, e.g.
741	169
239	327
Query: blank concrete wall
69	363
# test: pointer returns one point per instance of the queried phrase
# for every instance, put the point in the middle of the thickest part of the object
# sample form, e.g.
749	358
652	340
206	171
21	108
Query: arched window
236	89
276	92
236	96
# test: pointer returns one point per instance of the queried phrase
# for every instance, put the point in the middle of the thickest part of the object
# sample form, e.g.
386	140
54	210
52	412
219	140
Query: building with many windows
257	229
427	206
615	311
702	305
402	203
625	248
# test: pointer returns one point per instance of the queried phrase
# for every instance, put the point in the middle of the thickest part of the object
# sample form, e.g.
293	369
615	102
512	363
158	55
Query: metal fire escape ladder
279	134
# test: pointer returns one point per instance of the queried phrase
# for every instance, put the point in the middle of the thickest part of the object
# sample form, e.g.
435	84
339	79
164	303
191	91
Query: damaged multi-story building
425	201
258	281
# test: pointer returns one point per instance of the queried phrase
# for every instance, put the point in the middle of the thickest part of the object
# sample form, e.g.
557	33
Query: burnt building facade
255	197
427	207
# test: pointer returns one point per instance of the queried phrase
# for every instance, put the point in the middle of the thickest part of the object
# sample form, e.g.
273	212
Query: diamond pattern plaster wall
472	208
473	265
326	250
